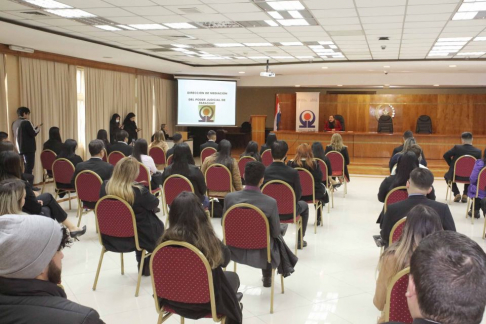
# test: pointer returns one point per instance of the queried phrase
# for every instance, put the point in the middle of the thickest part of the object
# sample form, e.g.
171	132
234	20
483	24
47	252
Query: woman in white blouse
140	152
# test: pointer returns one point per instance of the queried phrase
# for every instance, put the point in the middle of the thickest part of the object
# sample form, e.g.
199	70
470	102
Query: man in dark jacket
30	271
451	157
406	135
211	141
177	139
25	133
121	144
279	171
419	185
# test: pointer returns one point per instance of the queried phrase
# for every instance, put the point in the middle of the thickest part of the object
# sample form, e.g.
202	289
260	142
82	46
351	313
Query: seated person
473	179
332	125
159	141
271	138
189	223
140	153
211	141
162	129
414	148
451	157
3	137
54	143
177	139
252	150
305	159
103	136
183	164
279	171
338	145
447	282
68	152
11	168
30	274
421	222
122	184
398	149
121	144
251	194
409	145
7	146
318	151
418	186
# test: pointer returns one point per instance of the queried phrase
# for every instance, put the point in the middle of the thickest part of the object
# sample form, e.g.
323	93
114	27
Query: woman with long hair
471	191
338	145
11	167
252	150
12	196
159	141
410	144
421	221
54	143
271	138
318	151
189	223
183	164
103	135
68	152
140	153
131	127
115	126
122	184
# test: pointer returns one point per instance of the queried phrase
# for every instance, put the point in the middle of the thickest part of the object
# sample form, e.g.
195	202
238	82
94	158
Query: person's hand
121	126
139	129
40	202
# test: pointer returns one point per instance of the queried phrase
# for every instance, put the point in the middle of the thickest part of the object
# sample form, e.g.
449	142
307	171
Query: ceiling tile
7	5
380	3
424	2
337	13
382	20
205	17
86	3
247	16
381	11
236	7
131	20
169	19
130	3
432	9
329	4
342	27
109	12
62	22
177	2
149	11
339	21
382	26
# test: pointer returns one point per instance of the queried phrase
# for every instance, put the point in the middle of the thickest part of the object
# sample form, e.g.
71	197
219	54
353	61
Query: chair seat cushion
290	221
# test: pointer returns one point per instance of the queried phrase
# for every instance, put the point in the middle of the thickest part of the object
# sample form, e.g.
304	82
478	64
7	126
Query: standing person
252	150
131	128
271	138
103	136
24	134
337	145
211	141
451	157
115	126
333	125
189	223
471	191
54	143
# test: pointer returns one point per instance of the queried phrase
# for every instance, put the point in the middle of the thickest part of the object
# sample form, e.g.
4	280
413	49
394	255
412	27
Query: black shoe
157	210
476	214
318	222
335	186
146	268
378	240
299	246
36	189
267	282
76	234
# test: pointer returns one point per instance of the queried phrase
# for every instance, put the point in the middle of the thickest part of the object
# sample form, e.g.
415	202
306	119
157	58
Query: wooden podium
258	128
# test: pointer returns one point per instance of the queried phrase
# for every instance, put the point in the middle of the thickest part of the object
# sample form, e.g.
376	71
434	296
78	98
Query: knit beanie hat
27	245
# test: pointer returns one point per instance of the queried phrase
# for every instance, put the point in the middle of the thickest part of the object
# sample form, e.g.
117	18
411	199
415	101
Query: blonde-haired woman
12	197
338	145
421	221
159	141
150	228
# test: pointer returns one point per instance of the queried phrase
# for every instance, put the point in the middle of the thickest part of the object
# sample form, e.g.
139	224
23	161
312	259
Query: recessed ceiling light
241	58
126	27
339	85
436	85
293	22
148	26
333	46
438	54
182	45
325	67
325	42
464	15
479	39
286	5
452	66
472	53
71	13
180	26
228	45
386	66
177	49
258	57
291	43
275	15
271	23
258	44
472	6
48	4
295	14
297	85
242	72
107	27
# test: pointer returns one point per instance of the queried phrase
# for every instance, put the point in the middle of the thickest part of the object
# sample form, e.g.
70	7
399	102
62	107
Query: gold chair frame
45	176
55	183
207	148
269	258
157	193
108	158
317	204
106	155
389	288
211	197
80	211
343	177
400	221
165	157
474	202
166	212
389	193
297	223
449	183
103	250
163	316
329	187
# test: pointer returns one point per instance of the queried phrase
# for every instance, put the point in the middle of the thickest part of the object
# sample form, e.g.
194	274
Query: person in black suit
418	186
271	138
211	141
177	139
54	143
68	152
131	127
26	133
121	144
406	135
3	137
451	157
279	171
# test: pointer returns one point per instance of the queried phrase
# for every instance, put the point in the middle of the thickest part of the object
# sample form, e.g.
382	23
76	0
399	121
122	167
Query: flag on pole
278	113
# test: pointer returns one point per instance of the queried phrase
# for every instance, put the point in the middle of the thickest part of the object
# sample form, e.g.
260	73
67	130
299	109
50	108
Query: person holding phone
24	135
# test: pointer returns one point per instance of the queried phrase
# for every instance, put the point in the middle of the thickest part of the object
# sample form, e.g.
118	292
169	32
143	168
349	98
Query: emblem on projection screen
382	110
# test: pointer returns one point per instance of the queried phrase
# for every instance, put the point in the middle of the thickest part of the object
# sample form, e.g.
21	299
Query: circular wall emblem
382	110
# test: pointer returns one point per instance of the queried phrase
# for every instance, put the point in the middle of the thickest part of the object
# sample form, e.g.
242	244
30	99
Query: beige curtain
165	104
107	93
4	123
49	90
146	103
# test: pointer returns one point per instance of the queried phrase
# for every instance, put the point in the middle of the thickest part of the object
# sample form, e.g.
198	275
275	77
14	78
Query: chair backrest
174	185
114	157
481	184
396	307
341	120
181	273
395	195
88	185
242	163
323	166
218	178
169	159
307	183
62	171
115	217
337	162
283	193
208	151
424	125
397	230
157	154
144	176
385	124
464	166
105	156
267	158
47	159
246	227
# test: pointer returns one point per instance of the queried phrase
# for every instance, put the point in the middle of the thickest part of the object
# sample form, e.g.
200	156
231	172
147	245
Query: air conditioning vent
219	24
192	10
33	13
95	21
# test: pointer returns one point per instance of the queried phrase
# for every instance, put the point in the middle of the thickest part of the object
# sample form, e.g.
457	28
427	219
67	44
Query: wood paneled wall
450	113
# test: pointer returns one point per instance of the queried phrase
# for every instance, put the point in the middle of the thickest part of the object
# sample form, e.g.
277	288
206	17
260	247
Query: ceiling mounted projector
267	73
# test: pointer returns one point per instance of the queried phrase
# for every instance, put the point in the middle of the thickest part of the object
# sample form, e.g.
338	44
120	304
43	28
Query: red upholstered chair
396	308
105	156
208	151
246	227
158	155
285	197
62	172
115	217
481	184
218	179
169	159
88	185
397	230
144	179
338	165
267	158
395	195
242	162
47	159
308	189
327	181
181	273
172	187
114	157
462	168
